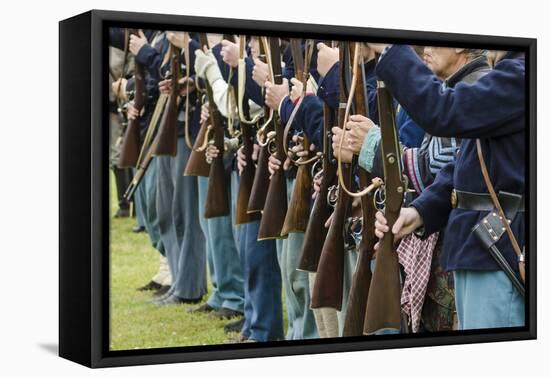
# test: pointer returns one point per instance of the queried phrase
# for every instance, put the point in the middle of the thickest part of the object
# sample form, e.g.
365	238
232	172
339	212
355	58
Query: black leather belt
511	203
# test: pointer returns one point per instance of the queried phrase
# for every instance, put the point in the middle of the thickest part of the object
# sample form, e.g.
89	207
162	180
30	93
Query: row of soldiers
281	179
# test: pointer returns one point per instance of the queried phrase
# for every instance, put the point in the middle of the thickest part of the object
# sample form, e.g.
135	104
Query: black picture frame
83	196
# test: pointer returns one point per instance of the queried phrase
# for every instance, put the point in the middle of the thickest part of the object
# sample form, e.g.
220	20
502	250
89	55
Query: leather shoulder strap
496	203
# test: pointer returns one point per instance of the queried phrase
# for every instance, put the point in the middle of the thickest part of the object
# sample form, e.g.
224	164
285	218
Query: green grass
136	324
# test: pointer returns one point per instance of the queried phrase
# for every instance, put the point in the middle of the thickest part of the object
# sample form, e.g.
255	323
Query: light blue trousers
487	299
181	233
223	255
301	322
145	198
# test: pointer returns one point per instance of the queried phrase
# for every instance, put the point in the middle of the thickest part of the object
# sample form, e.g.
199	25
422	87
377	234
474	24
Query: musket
275	207
384	299
258	193
357	299
187	58
247	175
197	164
146	153
167	135
231	104
130	146
217	199
329	281
299	206
315	234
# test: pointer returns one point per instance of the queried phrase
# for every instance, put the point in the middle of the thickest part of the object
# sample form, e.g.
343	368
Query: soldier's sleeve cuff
426	229
368	149
145	54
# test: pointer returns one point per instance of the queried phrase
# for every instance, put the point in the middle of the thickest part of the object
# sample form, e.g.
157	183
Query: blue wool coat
492	109
329	88
410	134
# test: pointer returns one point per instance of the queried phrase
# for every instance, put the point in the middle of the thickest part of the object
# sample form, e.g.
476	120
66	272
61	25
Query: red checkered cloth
415	255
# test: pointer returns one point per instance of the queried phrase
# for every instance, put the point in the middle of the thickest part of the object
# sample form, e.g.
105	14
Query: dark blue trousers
263	309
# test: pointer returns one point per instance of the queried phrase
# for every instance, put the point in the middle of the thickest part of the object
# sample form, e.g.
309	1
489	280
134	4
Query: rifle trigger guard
206	139
379	198
332	196
270	143
315	171
357	230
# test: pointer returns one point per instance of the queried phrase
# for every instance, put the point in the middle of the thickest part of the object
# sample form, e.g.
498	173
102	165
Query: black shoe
225	313
174	299
171	299
123	177
204	308
160	292
152	285
122	213
137	229
234	326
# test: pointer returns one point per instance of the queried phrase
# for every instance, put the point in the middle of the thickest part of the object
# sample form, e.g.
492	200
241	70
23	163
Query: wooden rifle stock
276	201
359	291
357	299
197	165
145	155
315	235
247	175
139	175
297	215
246	181
298	211
384	299
258	193
131	140
329	281
167	143
217	199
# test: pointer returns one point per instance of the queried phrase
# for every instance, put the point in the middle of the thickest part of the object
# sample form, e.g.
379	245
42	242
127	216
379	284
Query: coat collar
468	68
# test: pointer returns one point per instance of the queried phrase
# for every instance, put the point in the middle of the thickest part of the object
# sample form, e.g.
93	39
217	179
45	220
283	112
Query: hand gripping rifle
328	287
130	147
275	207
217	200
258	193
247	175
167	136
299	206
384	299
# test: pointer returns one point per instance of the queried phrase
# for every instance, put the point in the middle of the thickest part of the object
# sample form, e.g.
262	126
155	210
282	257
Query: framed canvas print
236	188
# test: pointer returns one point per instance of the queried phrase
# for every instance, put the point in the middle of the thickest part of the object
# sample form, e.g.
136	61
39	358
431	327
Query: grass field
137	324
